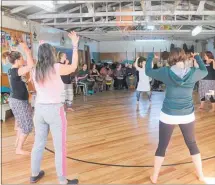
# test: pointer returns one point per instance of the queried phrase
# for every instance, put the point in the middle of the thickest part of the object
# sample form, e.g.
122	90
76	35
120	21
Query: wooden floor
107	128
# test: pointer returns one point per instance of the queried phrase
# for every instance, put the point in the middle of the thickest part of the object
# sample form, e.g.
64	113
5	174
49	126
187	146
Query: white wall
141	46
53	36
210	46
47	34
8	22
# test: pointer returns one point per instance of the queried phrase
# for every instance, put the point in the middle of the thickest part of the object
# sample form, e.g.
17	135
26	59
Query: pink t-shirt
52	89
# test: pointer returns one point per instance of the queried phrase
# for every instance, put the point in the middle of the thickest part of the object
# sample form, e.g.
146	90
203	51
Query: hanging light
196	30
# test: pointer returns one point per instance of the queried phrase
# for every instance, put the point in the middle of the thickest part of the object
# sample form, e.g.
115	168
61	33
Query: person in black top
131	78
67	80
94	73
207	85
18	100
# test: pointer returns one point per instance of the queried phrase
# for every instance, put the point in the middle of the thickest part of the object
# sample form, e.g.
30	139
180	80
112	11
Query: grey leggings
165	133
49	117
68	94
139	92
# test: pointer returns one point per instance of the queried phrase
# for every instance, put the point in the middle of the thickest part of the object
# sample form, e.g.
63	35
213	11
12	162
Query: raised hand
24	46
137	59
74	37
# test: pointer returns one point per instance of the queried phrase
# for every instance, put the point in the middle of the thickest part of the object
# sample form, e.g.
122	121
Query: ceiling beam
141	32
99	1
68	11
98	9
90	7
131	23
44	12
201	6
48	6
134	13
211	3
19	9
61	2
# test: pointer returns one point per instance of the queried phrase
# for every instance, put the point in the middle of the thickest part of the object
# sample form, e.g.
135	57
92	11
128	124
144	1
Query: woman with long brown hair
178	108
49	110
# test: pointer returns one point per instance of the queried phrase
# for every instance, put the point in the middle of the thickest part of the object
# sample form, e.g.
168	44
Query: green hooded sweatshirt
178	98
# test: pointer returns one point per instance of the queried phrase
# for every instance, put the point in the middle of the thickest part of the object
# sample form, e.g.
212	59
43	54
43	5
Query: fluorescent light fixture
155	40
151	27
196	30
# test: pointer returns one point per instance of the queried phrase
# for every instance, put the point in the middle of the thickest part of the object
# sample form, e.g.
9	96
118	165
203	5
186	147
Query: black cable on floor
128	166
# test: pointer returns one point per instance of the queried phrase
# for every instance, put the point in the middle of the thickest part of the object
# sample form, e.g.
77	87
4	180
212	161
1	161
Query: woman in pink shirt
49	110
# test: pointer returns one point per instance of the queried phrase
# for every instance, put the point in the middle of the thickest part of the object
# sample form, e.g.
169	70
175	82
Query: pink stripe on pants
64	127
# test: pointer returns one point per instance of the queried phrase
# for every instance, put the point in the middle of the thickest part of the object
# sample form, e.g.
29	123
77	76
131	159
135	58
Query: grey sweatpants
50	117
68	94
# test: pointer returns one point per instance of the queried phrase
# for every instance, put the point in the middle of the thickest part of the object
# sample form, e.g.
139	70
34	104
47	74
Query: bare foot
212	110
153	180
202	179
70	110
22	152
16	143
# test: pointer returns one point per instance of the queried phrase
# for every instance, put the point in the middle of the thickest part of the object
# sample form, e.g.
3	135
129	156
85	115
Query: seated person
118	77
131	78
98	80
107	74
83	79
124	67
94	72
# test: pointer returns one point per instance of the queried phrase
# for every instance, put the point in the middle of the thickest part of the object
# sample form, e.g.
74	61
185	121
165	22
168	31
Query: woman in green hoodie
178	108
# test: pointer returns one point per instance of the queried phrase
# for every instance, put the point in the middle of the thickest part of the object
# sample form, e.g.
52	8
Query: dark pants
124	83
118	83
165	133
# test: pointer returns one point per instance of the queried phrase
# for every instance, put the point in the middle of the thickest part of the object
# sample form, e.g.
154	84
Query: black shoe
74	181
37	178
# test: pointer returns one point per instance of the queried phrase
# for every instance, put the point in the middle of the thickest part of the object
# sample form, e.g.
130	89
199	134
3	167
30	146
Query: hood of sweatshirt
181	76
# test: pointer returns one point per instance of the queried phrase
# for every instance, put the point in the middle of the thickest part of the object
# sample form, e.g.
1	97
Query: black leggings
212	100
165	133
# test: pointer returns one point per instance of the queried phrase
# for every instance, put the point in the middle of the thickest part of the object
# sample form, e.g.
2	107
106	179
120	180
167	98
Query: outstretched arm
136	64
67	69
158	74
201	72
30	62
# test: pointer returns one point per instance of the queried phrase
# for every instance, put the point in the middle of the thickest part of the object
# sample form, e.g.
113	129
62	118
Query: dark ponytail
11	56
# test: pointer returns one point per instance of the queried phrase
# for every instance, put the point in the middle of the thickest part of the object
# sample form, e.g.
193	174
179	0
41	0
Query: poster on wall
5	39
10	42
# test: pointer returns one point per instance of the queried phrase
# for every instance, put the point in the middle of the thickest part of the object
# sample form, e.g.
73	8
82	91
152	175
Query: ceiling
109	20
